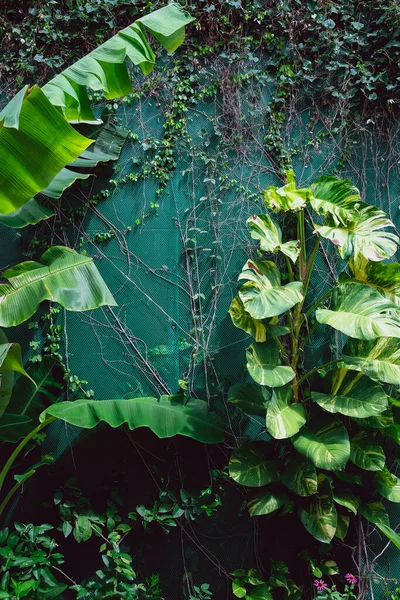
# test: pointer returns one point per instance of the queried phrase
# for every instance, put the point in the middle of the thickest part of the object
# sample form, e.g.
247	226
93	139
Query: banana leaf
63	276
29	214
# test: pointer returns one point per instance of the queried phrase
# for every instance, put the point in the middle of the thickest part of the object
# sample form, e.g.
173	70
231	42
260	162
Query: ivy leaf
283	418
319	516
361	312
379	359
325	443
269	234
300	476
251	398
366	453
248	466
263	364
243	320
264	503
263	295
351	394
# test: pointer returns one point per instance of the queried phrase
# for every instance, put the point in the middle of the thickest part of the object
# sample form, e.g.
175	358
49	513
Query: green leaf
10	360
336	197
250	398
264	229
243	320
329	567
287	197
262	295
14	427
361	312
366	453
42	132
342	527
264	366
390	534
300	476
347	500
379	359
109	140
63	180
238	588
264	503
363	235
319	517
249	466
31	213
375	513
384	277
166	417
283	418
259	592
351	394
388	485
378	422
63	276
325	443
82	529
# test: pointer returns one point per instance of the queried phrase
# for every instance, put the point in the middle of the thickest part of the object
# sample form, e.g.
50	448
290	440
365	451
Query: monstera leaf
336	197
263	364
63	276
249	466
384	277
388	485
379	359
362	236
166	417
269	234
283	418
351	394
325	443
300	476
265	502
319	515
361	312
243	320
287	197
366	453
250	398
262	294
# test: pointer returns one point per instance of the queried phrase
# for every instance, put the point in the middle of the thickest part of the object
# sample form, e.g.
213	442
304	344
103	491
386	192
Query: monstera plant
335	419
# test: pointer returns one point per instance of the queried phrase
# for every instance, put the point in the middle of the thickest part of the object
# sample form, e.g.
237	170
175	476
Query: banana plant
336	421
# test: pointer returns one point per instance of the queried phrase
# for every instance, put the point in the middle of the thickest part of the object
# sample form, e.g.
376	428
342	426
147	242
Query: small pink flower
320	585
350	578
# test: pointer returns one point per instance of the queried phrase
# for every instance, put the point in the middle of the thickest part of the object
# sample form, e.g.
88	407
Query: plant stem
301	233
307	375
297	314
14	489
289	269
20	447
310	265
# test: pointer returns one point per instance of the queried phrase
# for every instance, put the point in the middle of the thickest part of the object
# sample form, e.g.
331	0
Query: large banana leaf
263	364
351	394
6	380
362	236
249	466
29	214
287	197
63	276
10	360
269	234
283	418
325	443
361	312
366	453
379	359
336	197
262	295
105	68
166	417
319	515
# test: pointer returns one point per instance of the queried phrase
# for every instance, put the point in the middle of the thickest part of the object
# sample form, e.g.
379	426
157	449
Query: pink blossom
320	585
350	578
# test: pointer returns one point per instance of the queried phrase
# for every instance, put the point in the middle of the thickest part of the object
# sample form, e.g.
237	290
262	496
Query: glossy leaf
384	277
243	320
259	592
251	398
361	312
269	234
379	359
248	466
263	364
63	276
336	197
319	516
265	502
366	453
390	534
31	213
388	485
14	427
342	527
347	500
375	513
351	394
300	476
10	360
287	197
325	443
166	417
378	422
283	418
262	295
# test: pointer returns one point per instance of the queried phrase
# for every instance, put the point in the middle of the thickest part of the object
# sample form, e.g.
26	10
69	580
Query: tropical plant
335	421
250	585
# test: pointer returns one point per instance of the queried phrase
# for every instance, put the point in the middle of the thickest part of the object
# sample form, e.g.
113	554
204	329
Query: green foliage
249	584
316	470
